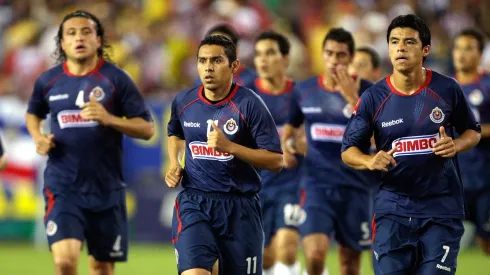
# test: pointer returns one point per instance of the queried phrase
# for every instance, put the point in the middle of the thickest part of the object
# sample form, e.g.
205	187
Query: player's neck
465	77
218	94
82	68
408	83
274	85
329	82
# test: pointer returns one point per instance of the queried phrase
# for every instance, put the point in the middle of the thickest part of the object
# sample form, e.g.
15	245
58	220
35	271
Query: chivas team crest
437	116
98	93
230	127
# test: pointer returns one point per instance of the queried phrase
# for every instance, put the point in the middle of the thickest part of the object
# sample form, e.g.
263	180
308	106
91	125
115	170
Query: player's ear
426	51
235	65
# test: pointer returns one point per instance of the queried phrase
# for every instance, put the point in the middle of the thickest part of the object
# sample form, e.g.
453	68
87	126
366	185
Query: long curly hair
102	51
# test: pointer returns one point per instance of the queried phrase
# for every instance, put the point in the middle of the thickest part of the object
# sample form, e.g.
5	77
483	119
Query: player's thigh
440	246
107	233
393	248
63	220
242	251
269	210
318	213
66	252
353	220
289	216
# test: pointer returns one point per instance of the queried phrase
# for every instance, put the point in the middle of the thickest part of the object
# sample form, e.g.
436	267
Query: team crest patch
51	228
347	111
475	97
98	93
230	127
437	116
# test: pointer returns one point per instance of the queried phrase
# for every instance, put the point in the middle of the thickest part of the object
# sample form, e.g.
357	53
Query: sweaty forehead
335	46
78	23
211	51
404	33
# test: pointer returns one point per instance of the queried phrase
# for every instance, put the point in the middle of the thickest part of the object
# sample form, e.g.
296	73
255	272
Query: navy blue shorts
422	246
224	226
105	230
339	212
280	209
478	207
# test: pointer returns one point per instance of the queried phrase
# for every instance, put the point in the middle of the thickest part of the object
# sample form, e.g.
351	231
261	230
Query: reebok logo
391	123
445	268
192	124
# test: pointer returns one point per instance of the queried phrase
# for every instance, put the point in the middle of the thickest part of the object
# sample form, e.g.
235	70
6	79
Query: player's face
405	49
80	40
269	60
214	67
335	54
466	54
362	66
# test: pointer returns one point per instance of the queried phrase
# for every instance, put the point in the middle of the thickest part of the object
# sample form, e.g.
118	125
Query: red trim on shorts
373	228
179	227
302	197
49	204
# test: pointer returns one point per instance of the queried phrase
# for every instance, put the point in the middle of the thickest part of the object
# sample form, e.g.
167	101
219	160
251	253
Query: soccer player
87	97
228	134
417	225
474	164
366	64
280	195
244	76
336	197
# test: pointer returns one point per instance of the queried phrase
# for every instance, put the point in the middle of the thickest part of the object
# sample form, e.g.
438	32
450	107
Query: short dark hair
411	21
223	41
102	51
342	36
225	29
282	41
375	59
476	35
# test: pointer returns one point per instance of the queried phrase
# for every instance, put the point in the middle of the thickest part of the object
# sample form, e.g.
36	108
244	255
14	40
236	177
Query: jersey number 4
80	99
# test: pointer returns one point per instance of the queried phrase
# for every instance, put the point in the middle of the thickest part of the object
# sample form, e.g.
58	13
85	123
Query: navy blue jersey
325	114
87	157
244	77
421	184
475	163
244	119
279	106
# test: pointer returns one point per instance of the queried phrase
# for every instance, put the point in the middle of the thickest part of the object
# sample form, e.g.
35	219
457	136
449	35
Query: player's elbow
345	155
148	131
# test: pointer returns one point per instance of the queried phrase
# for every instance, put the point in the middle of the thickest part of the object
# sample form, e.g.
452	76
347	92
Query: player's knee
101	268
67	264
269	258
350	261
287	251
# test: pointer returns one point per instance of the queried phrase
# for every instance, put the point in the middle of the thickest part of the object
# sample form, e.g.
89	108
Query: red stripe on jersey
302	199
52	82
381	106
179	226
49	204
373	228
187	105
241	115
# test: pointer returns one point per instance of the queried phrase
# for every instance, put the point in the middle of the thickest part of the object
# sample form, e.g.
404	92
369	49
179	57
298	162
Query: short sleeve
360	126
131	101
38	105
463	117
263	127
174	127
296	116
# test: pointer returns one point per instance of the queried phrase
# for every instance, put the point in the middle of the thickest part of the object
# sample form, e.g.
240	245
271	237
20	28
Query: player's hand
289	160
174	175
218	141
445	147
289	146
382	160
347	85
44	143
94	110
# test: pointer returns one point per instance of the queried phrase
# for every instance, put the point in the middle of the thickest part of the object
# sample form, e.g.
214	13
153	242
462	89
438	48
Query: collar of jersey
223	101
287	88
96	69
428	78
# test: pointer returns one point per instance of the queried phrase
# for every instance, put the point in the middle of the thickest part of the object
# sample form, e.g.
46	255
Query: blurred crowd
155	41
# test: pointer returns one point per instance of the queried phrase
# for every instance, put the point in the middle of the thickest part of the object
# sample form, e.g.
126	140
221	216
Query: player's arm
357	140
3	157
464	122
485	130
175	148
292	142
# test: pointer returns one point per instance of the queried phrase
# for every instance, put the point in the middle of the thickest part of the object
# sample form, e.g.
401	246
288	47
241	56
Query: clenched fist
382	160
218	141
44	144
94	110
174	175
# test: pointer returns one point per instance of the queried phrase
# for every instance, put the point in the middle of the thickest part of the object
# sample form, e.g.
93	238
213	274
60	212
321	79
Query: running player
366	64
280	194
87	97
228	134
417	225
336	197
467	55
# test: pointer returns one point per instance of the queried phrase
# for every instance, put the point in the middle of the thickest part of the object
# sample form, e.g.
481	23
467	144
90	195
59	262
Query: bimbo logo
327	132
200	150
416	145
73	119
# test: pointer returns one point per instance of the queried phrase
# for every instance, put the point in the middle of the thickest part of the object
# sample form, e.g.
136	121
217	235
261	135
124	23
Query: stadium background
155	41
